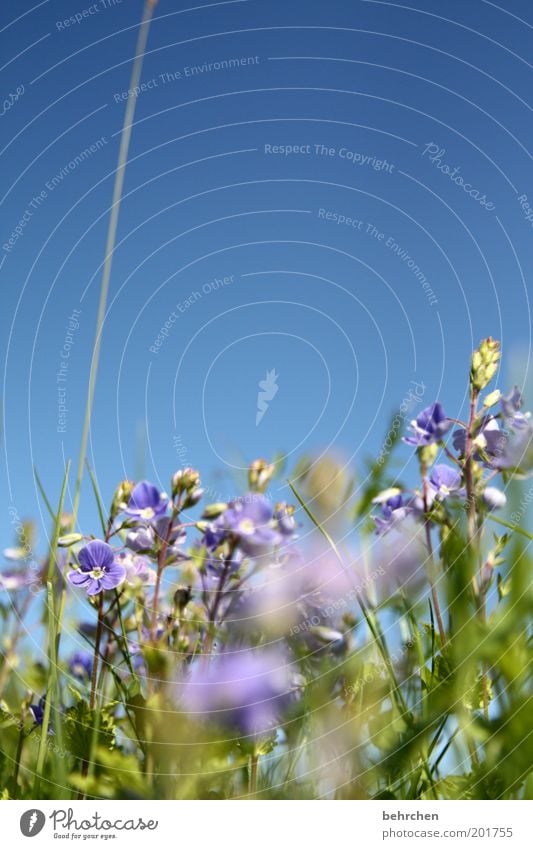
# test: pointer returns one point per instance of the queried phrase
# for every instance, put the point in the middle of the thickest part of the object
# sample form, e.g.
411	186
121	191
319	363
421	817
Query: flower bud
121	497
259	475
484	363
68	540
193	497
182	597
213	511
428	454
185	480
492	398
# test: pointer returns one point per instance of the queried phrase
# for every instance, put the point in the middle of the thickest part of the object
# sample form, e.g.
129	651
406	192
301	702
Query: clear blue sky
261	128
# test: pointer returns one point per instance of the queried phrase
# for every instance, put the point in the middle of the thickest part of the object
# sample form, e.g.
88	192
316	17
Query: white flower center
246	526
147	513
97	573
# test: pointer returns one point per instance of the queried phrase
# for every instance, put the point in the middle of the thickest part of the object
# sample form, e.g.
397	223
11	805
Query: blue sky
334	192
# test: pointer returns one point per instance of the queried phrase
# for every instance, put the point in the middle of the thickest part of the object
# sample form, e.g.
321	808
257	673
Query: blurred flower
251	520
402	558
174	534
445	481
494	498
98	568
430	426
141	538
146	502
12	581
138	569
516	452
488	440
393	511
37	711
285	519
246	690
80	665
511	405
216	557
148	538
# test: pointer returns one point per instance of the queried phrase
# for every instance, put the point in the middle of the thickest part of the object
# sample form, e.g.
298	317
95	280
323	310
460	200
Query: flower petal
96	555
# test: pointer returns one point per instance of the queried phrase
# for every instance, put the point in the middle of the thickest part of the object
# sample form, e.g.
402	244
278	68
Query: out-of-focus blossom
141	538
430	426
402	559
494	498
148	538
98	568
12	581
80	664
251	520
37	711
146	502
516	452
488	441
245	690
174	535
393	511
511	405
445	481
138	569
285	519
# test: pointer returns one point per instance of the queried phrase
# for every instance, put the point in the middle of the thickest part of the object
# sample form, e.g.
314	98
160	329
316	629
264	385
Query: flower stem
433	588
97	640
472	528
120	173
254	761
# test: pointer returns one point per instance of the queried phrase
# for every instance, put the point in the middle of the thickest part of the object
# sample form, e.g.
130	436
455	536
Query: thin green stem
120	174
97	640
52	690
368	614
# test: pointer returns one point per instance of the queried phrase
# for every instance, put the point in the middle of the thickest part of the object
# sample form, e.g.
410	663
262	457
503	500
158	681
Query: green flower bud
68	540
484	363
492	398
121	497
193	497
185	480
213	511
428	454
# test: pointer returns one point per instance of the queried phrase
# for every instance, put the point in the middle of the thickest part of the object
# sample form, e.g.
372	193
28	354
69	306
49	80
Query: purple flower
393	510
81	665
285	518
12	581
251	519
140	539
511	405
445	481
138	569
489	440
146	502
516	452
147	538
244	690
494	498
37	711
430	426
175	536
98	568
